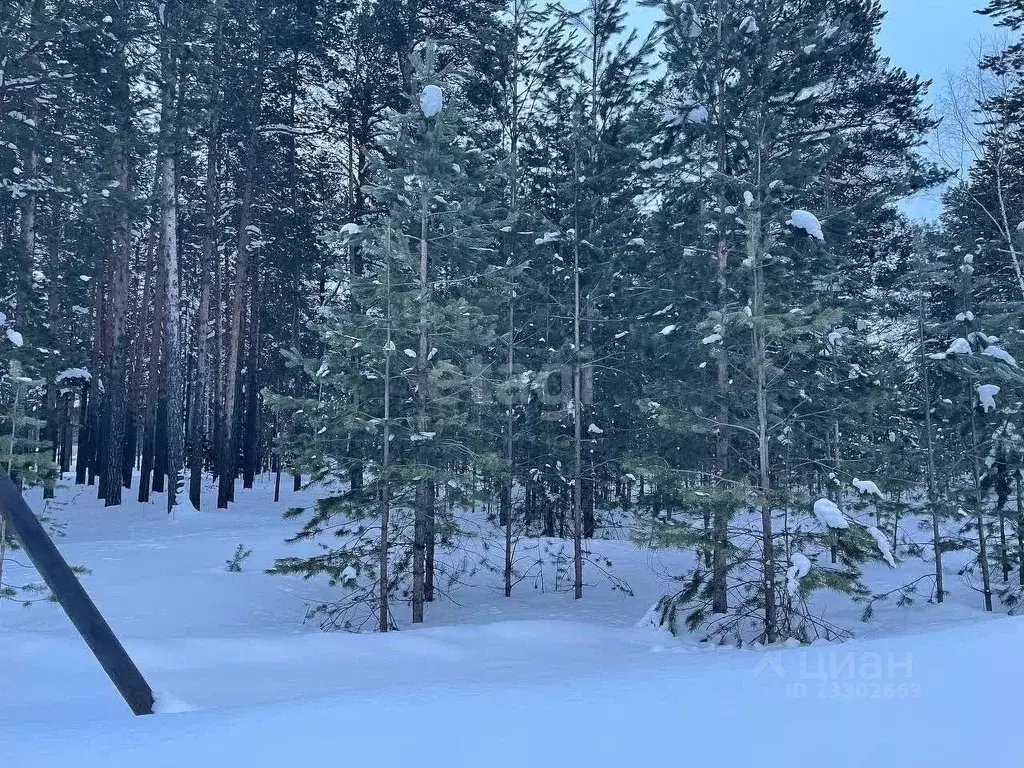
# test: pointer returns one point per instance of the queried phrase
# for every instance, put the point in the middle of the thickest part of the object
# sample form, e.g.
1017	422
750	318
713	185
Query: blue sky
925	37
931	38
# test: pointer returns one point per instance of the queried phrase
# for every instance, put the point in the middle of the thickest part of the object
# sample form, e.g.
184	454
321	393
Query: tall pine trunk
114	393
759	364
153	376
424	496
229	446
577	385
207	266
930	447
251	430
384	595
56	410
979	502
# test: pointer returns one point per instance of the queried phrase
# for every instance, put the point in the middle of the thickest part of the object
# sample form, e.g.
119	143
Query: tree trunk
720	523
383	605
1004	551
207	266
979	501
82	459
229	449
1020	531
172	374
228	464
929	442
251	431
506	496
149	422
56	411
720	515
114	395
422	526
760	370
160	436
577	390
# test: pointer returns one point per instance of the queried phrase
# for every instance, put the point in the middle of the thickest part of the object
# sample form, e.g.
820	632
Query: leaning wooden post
74	600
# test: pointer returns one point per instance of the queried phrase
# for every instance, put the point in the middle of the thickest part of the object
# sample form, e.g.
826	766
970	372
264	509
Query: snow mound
829	514
593	429
799	567
667	330
808	222
867	486
431	100
960	346
1000	354
883	545
697	115
986	396
15	338
73	374
169	704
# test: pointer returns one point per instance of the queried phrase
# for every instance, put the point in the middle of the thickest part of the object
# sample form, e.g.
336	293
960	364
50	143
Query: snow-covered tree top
431	100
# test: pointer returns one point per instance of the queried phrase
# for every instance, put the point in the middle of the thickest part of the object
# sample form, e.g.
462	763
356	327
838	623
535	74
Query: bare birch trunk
169	256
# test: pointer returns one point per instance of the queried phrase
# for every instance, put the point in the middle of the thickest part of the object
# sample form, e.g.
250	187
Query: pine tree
25	456
535	58
766	131
417	304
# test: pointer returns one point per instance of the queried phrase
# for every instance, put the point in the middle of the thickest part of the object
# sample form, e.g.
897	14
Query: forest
439	258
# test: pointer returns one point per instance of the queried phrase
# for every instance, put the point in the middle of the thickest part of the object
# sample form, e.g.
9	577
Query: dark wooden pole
74	600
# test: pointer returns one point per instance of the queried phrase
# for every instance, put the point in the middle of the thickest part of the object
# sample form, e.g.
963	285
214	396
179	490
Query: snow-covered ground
537	679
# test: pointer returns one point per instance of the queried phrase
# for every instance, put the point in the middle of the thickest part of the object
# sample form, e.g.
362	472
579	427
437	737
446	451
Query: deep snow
539	678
